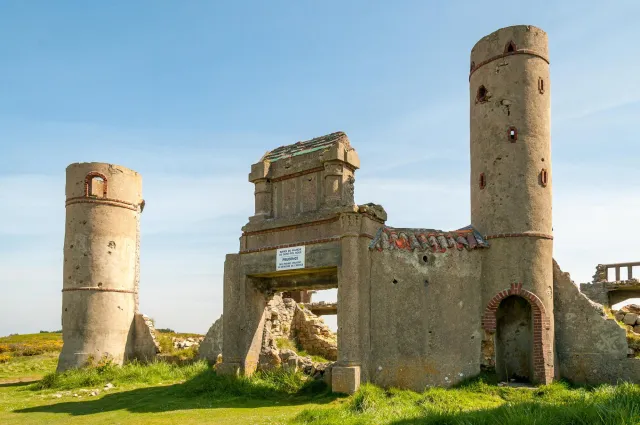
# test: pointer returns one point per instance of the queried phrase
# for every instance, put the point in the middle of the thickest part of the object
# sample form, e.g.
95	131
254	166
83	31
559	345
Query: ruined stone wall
284	320
211	347
425	318
313	335
142	345
595	291
591	348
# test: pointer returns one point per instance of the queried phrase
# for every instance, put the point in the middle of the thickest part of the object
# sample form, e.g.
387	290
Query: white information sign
290	258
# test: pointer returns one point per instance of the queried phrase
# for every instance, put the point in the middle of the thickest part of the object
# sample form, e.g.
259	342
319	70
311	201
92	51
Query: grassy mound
131	373
29	345
197	380
480	403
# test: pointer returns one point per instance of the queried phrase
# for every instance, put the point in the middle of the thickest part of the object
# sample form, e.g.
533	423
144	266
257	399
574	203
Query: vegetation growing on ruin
287	344
633	339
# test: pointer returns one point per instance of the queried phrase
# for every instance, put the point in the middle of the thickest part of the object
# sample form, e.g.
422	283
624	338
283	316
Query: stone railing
322	308
601	289
602	271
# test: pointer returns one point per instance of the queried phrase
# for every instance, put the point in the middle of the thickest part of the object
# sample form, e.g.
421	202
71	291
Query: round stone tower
101	263
511	195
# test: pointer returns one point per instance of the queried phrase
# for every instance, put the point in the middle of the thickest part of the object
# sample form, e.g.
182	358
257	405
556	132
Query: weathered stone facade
420	307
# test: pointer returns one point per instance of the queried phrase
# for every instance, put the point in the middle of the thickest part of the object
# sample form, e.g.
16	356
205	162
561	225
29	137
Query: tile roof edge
436	240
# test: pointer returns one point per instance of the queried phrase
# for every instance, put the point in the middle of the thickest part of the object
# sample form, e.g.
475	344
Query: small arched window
541	85
95	185
510	47
482	95
483	181
544	177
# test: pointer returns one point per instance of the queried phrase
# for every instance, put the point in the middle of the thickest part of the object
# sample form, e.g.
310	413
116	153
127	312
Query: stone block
345	379
227	368
630	319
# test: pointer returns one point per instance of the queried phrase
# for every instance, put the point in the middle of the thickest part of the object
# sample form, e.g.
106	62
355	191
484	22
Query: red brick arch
87	181
541	372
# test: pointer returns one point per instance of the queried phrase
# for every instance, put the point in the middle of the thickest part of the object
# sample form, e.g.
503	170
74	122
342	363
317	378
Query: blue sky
189	94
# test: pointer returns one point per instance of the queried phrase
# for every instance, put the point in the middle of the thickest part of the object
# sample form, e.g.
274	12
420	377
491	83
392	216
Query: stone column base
345	379
228	368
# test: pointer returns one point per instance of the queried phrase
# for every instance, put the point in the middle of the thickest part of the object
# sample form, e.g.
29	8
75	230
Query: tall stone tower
511	195
101	263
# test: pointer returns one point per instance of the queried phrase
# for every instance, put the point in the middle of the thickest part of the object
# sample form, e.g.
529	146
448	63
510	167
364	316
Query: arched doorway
514	339
541	353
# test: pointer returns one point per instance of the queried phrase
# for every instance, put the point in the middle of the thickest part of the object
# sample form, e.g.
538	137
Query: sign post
290	258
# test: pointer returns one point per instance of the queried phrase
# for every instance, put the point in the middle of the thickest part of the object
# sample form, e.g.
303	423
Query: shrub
4	358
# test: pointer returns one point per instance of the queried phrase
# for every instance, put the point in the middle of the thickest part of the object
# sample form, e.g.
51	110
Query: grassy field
163	393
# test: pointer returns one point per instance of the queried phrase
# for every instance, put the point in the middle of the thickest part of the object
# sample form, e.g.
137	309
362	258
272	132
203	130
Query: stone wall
590	347
211	347
313	335
426	324
142	345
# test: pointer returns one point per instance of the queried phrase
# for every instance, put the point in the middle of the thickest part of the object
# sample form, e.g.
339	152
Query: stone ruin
423	306
416	306
288	324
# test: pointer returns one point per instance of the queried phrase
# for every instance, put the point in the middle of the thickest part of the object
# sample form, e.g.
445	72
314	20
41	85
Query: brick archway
541	324
87	183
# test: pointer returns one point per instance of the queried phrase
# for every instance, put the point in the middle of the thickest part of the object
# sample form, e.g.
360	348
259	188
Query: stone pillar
263	198
345	376
262	192
332	184
233	305
244	315
101	263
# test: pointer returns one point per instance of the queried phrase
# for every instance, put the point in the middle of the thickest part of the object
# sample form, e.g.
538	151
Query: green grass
168	350
166	393
161	393
480	403
24	368
30	344
287	344
132	373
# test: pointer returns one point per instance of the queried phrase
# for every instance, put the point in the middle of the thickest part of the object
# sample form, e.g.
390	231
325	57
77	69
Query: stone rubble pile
629	316
182	343
313	335
286	322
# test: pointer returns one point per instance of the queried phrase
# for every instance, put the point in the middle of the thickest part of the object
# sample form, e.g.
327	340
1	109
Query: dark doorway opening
514	340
